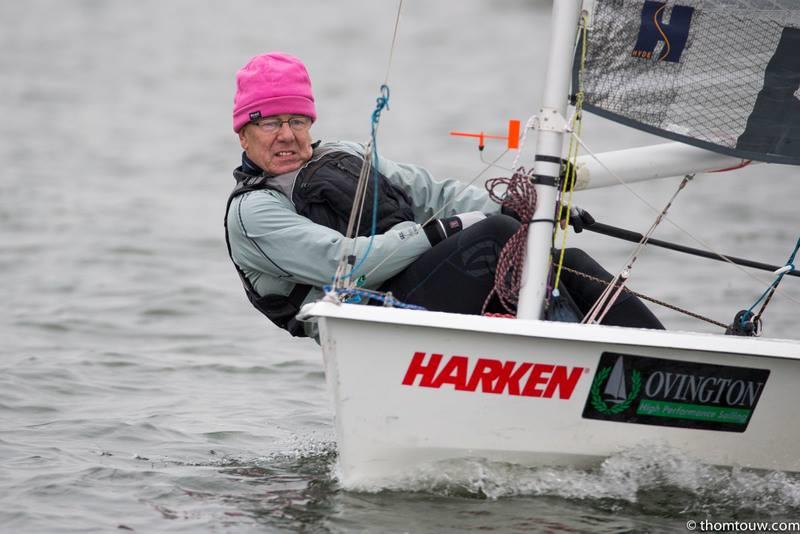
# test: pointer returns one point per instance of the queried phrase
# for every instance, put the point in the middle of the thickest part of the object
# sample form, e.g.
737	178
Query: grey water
138	389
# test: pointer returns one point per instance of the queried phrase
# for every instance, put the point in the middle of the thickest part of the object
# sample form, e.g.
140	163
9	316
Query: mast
549	147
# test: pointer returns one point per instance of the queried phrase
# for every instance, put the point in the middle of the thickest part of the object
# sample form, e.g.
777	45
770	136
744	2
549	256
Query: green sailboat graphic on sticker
614	378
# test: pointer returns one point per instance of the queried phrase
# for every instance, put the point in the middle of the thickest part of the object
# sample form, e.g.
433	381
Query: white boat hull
522	392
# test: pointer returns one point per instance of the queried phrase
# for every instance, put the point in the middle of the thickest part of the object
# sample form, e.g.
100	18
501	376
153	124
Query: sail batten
719	74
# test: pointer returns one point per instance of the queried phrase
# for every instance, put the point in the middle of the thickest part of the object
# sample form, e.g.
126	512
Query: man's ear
243	138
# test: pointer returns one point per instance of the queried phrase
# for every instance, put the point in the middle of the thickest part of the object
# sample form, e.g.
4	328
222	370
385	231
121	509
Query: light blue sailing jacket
277	248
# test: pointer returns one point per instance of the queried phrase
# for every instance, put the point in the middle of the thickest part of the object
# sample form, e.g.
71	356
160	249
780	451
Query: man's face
280	150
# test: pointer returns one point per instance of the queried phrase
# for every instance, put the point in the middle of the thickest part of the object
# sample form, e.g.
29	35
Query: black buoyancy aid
323	191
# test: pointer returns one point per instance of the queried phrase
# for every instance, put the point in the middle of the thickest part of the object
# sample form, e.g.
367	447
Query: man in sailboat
287	216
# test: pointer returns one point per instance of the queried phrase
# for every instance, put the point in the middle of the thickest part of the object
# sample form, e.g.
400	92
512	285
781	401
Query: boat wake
656	479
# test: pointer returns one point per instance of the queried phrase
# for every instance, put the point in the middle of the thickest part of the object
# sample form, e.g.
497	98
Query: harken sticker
489	375
656	391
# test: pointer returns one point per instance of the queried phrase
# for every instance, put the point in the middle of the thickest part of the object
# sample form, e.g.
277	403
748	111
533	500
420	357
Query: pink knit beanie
272	84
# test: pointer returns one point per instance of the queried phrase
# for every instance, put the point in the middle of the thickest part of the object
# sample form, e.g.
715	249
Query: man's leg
457	274
628	310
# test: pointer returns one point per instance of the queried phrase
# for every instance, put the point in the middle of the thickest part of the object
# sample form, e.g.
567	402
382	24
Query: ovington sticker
654	391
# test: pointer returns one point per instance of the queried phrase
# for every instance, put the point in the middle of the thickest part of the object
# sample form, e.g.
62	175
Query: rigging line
570	171
440	210
609	295
394	42
370	158
364	187
464	188
635	237
604	303
529	125
489	165
568	189
691	236
354	222
382	102
483	160
788	268
356	294
355	215
648	298
661	216
370	161
607	299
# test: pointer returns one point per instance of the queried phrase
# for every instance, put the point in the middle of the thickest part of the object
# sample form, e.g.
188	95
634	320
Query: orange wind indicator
512	140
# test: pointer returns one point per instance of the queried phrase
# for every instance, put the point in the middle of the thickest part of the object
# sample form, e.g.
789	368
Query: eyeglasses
298	124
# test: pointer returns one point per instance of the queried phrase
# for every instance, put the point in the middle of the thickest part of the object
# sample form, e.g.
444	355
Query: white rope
394	42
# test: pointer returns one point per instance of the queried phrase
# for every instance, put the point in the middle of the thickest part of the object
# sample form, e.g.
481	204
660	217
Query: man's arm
269	237
430	196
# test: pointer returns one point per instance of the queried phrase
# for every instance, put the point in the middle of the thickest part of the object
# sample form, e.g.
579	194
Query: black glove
438	230
578	218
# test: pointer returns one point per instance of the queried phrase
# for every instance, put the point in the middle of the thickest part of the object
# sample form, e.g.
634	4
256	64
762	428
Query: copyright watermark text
742	526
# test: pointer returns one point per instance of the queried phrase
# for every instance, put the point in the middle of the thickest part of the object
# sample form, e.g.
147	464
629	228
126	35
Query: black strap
550	159
544	179
282	310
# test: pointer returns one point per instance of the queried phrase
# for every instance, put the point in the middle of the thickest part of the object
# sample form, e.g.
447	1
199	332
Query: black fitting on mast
550	159
543	179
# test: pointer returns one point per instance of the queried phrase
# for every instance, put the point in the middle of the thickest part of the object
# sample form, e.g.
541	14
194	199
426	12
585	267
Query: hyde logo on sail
654	30
489	375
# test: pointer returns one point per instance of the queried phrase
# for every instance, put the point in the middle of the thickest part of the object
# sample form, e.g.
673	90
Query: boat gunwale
618	335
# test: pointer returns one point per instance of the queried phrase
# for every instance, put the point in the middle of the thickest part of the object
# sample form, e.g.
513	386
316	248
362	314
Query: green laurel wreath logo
597	400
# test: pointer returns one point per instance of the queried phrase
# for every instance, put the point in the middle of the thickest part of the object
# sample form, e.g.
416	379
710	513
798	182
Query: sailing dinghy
412	387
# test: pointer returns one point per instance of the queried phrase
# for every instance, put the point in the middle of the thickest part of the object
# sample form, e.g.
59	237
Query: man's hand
578	218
